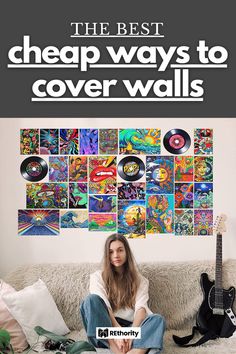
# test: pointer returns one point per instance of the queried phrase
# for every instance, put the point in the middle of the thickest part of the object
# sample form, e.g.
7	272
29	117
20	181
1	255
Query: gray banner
177	58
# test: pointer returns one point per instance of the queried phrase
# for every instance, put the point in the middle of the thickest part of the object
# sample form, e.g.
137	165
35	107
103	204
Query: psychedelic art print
160	174
160	214
140	141
69	141
131	218
29	141
38	222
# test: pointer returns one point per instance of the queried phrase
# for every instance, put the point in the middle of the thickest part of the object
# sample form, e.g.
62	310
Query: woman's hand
122	345
128	343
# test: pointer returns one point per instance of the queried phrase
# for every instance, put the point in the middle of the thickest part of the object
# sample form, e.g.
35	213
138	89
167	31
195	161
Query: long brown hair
121	288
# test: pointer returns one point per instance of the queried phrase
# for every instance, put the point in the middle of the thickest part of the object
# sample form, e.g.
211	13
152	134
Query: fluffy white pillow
35	306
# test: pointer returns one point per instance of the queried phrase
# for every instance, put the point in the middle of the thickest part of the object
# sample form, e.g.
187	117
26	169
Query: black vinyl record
131	168
177	141
33	168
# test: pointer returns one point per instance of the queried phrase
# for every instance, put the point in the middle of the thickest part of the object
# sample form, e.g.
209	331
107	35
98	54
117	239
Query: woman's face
117	254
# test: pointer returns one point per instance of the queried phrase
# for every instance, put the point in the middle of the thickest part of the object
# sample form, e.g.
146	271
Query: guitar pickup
217	311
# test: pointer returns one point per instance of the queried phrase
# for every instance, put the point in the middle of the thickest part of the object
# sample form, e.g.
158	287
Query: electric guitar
215	313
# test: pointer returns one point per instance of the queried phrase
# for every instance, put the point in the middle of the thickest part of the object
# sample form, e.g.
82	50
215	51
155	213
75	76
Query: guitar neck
218	277
218	270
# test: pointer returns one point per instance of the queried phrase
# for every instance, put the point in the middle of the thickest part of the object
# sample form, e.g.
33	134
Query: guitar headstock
219	225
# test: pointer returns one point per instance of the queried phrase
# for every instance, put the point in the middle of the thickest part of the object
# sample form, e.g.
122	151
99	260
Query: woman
118	298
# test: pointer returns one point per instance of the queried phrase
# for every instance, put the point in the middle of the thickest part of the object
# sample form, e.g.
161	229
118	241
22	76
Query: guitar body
215	317
223	324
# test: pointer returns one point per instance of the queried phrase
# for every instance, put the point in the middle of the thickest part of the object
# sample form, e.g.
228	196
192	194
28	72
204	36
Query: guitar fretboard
218	273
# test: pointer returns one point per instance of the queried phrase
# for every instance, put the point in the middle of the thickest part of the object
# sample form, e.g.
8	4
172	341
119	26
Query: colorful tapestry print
131	218
203	195
78	197
78	168
184	195
159	174
203	167
203	222
58	169
131	191
183	222
102	222
183	168
102	175
38	222
88	141
69	141
203	141
108	141
49	142
140	141
29	141
46	195
160	214
71	219
102	203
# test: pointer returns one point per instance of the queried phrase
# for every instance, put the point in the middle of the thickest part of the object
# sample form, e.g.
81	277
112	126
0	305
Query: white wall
78	245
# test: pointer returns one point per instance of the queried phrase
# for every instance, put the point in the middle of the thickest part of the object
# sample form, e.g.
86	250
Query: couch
174	292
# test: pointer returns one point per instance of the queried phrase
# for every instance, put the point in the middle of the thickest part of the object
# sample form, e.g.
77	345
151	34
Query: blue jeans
94	314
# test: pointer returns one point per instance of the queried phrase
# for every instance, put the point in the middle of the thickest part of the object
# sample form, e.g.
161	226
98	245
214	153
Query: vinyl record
177	141
33	168
131	168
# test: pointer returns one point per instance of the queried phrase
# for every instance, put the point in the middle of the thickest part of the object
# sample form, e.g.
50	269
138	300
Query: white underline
141	66
117	99
42	66
207	66
122	66
117	36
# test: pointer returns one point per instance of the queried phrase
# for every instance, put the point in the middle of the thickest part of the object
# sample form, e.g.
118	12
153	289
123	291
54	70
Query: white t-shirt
97	287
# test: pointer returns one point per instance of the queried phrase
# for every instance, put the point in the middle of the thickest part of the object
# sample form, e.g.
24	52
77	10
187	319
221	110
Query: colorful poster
58	169
160	174
131	218
102	175
102	222
183	222
49	142
183	168
71	219
132	190
203	168
140	141
29	141
78	169
102	203
88	141
203	195
203	141
46	195
108	141
160	214
38	222
69	141
78	197
183	195
203	222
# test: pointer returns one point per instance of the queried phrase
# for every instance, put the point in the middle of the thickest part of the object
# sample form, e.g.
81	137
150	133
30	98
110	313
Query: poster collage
117	180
